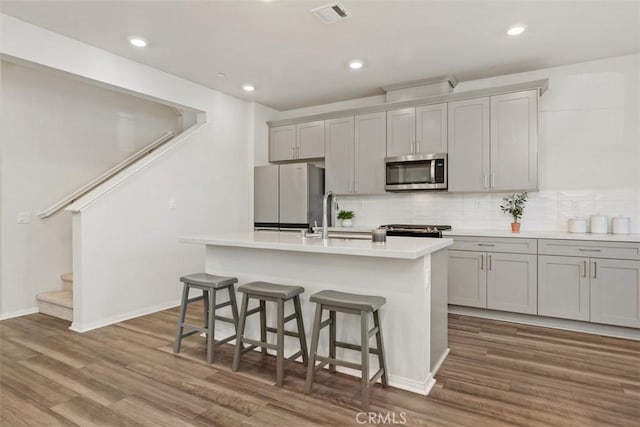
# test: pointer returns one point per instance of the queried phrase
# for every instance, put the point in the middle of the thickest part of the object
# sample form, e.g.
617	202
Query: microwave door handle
433	171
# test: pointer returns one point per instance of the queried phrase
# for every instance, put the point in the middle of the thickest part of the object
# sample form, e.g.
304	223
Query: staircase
58	303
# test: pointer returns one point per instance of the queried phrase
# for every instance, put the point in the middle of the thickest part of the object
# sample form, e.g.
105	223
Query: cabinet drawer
495	244
618	250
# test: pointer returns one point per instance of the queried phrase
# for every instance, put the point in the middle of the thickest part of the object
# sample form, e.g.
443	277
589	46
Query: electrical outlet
24	217
172	203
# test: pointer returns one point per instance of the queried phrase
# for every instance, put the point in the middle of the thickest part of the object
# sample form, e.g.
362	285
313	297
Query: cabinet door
469	145
293	193
401	132
339	146
615	292
467	278
282	143
563	287
512	282
431	129
310	138
370	147
514	141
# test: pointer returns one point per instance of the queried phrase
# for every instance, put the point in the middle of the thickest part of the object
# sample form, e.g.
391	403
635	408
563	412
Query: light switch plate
24	217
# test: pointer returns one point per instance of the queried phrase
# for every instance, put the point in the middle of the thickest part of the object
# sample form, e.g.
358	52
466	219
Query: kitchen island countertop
395	247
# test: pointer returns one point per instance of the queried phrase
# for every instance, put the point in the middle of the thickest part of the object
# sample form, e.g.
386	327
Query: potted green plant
346	218
513	205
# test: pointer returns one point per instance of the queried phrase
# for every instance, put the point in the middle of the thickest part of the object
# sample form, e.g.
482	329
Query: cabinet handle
493	180
584	264
588	250
417	147
486	244
293	152
490	263
481	262
485	181
595	270
297	152
413	147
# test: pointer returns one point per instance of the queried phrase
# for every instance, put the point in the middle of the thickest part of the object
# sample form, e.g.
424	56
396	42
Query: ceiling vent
331	13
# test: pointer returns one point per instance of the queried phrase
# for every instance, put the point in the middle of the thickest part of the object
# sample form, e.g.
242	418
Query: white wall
589	156
59	133
129	260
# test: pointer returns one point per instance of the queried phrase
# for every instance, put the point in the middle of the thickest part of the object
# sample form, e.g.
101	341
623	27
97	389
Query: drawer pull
489	262
486	244
588	250
481	262
585	269
595	270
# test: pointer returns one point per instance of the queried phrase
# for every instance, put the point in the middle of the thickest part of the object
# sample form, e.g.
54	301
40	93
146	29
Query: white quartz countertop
395	247
545	235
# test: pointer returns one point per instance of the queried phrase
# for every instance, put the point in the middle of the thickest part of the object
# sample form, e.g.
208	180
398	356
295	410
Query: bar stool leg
205	304
211	325
315	336
263	325
332	340
181	316
364	331
301	334
382	361
240	333
280	345
234	307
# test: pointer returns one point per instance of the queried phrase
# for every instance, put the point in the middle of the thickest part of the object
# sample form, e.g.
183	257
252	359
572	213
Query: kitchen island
411	273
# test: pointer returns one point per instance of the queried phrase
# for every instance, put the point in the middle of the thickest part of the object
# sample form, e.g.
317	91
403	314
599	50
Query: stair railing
58	206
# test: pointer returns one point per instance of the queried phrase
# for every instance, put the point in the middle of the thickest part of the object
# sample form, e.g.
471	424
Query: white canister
621	225
599	224
578	225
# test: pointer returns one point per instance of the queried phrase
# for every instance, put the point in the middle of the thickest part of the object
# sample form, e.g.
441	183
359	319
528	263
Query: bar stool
360	305
264	291
209	284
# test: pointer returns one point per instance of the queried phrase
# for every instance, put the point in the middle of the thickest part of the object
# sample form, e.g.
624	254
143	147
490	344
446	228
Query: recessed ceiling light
137	41
221	75
248	88
356	65
516	30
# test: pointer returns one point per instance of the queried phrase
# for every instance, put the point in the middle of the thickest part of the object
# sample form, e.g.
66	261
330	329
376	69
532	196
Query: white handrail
58	206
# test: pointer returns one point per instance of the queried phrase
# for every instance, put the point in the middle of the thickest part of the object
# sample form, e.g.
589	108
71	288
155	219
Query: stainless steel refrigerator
287	197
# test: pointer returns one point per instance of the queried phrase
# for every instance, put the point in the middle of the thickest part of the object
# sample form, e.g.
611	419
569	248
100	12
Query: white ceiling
294	60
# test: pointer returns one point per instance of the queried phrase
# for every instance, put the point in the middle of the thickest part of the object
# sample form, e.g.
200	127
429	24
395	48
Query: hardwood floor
126	375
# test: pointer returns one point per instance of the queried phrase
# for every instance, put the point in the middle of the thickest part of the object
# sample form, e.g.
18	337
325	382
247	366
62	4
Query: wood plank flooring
497	374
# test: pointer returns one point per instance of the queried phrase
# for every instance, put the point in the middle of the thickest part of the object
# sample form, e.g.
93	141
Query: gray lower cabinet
563	287
615	291
467	279
498	281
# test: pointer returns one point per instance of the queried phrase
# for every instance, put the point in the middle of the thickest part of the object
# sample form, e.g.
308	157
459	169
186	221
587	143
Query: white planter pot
347	223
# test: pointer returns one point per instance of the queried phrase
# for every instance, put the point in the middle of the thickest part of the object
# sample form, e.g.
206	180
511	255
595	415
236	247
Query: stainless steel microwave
416	172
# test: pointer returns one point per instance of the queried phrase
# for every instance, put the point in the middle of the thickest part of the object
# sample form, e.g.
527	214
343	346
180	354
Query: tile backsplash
544	211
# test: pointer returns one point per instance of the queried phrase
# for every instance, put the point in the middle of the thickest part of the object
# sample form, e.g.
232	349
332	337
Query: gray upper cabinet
419	130
493	143
339	156
469	145
369	153
514	141
282	143
431	129
297	142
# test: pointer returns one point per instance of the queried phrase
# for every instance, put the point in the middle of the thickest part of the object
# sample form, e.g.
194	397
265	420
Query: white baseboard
18	313
78	327
440	361
549	322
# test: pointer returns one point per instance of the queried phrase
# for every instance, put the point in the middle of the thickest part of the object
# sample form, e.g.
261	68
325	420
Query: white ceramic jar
621	225
578	225
599	224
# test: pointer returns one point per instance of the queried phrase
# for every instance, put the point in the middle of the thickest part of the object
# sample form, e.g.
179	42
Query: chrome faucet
325	216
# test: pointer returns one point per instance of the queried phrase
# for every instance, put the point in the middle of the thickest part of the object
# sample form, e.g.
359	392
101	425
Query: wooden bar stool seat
209	284
265	291
361	305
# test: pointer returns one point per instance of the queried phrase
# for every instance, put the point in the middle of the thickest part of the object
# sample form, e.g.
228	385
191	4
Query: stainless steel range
415	230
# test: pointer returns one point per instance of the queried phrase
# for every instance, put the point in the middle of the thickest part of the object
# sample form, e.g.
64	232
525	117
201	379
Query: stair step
57	304
67	281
